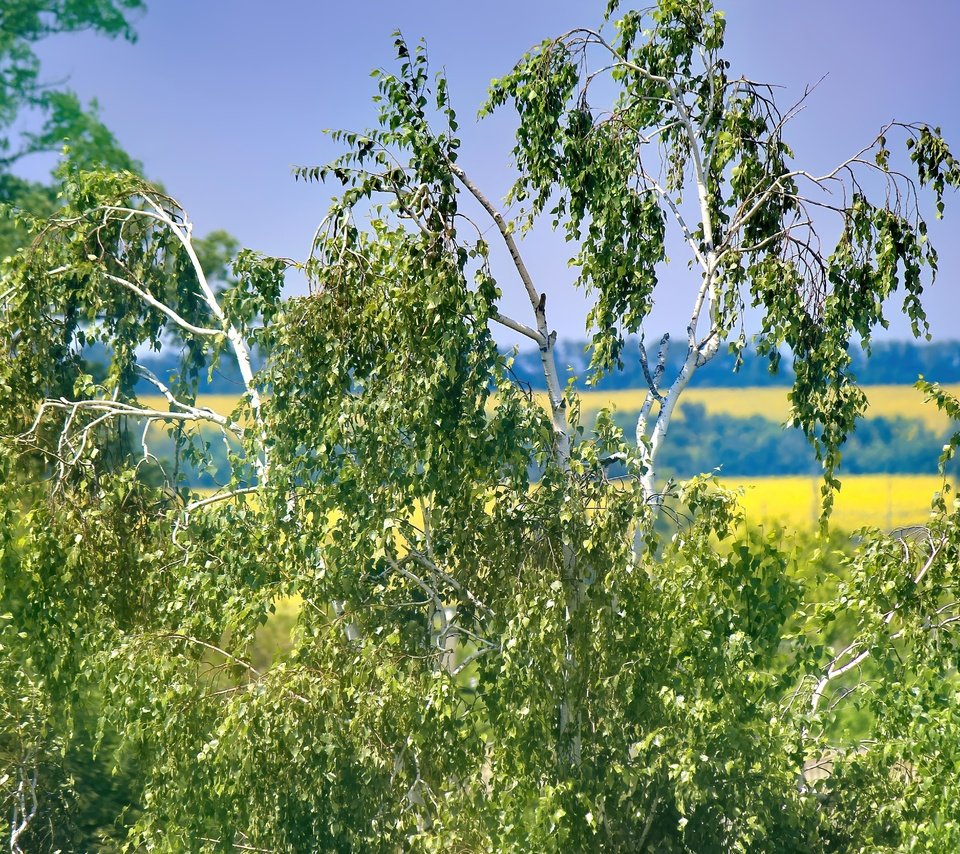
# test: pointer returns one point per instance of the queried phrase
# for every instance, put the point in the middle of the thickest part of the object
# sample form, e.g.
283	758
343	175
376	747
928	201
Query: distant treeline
890	363
754	447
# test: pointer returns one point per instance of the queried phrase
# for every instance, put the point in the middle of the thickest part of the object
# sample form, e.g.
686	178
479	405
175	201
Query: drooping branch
105	411
153	302
166	215
842	663
254	673
184	233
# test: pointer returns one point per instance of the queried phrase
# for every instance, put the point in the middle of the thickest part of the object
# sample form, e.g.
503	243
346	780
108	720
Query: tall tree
495	647
62	117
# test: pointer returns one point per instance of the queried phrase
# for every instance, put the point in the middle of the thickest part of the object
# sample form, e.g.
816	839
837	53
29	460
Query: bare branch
425	562
215	499
522	328
504	229
256	674
183	231
653	380
200	412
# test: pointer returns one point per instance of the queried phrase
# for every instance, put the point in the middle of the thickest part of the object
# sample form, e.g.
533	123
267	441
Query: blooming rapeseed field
875	500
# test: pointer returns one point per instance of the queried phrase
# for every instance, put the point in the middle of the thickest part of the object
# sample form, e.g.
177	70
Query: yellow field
886	401
876	500
865	500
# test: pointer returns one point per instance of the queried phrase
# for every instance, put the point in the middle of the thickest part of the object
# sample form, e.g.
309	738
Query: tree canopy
495	644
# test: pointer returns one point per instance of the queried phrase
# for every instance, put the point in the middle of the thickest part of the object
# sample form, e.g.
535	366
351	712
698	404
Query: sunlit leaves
934	161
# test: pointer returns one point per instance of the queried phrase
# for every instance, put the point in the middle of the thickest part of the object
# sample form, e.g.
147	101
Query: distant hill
890	363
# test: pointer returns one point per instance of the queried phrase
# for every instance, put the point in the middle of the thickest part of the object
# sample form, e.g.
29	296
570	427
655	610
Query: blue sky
219	99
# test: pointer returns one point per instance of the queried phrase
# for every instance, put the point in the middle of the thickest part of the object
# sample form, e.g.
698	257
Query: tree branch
834	669
504	229
522	328
152	301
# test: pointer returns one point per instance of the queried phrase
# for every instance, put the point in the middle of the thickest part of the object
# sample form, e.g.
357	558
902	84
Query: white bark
840	664
544	338
573	582
699	349
71	445
350	628
150	300
183	232
25	804
241	351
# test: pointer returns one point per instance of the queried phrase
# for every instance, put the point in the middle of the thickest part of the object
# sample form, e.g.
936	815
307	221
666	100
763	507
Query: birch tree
495	647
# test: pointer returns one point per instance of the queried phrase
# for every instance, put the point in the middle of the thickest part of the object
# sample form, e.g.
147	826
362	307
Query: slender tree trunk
569	735
570	723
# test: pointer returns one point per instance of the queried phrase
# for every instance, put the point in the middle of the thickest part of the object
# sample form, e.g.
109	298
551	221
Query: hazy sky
219	99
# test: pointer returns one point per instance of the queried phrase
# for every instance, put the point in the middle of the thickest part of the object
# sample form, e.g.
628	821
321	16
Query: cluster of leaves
25	22
679	127
892	784
695	727
55	622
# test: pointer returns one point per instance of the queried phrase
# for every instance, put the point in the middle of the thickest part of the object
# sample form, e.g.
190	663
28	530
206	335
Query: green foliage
470	657
25	22
16	193
679	127
947	403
